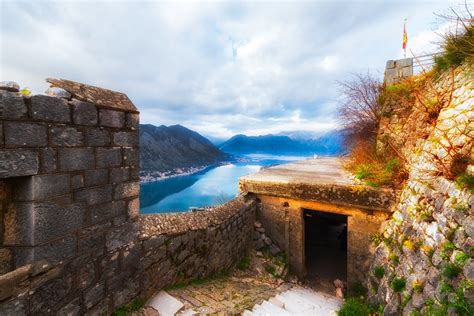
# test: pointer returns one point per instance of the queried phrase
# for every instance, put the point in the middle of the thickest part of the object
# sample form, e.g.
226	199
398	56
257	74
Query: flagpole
404	32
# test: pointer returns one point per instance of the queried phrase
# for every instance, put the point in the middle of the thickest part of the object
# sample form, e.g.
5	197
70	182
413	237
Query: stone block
33	223
48	160
50	109
84	113
131	157
406	62
134	173
119	175
121	236
96	177
97	137
94	295
390	64
133	120
77	181
126	190
66	136
133	208
12	106
95	195
407	71
106	211
126	139
108	157
18	162
73	308
52	253
92	243
25	134
71	159
45	298
110	118
40	187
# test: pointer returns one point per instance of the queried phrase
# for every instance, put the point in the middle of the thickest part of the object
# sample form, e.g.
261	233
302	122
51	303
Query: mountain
164	148
330	144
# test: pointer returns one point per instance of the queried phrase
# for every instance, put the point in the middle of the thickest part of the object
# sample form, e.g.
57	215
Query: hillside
164	148
330	143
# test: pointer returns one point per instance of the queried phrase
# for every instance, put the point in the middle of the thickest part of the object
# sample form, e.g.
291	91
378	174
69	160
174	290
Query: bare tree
360	110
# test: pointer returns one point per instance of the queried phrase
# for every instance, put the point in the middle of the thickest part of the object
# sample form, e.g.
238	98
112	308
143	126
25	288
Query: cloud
219	67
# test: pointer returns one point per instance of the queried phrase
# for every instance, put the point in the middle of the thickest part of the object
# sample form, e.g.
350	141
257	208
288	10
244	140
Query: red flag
405	36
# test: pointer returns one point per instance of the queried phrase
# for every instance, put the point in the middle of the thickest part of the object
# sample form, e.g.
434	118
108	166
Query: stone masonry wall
71	237
396	70
423	262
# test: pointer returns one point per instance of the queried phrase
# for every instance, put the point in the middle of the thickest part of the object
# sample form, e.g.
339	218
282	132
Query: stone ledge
176	223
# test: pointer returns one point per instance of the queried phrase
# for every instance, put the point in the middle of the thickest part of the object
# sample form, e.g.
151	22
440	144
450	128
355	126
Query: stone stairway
297	301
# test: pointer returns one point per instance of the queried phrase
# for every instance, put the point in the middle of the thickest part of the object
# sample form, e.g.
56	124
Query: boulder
10	86
58	92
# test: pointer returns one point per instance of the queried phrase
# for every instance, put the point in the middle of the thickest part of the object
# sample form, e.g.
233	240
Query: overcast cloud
220	68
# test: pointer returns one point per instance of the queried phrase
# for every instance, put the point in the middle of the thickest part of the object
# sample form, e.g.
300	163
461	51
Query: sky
218	67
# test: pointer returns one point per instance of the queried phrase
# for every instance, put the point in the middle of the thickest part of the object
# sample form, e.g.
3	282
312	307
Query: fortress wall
72	240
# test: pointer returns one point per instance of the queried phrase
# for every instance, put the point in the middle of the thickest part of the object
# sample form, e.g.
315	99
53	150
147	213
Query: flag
405	36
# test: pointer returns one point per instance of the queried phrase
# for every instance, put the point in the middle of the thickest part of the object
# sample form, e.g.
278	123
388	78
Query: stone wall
423	261
72	240
396	70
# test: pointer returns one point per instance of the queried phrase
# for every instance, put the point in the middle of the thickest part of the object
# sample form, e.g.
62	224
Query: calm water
212	186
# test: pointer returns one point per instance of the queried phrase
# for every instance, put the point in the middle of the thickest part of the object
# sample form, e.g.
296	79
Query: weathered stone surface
121	236
133	120
52	253
10	86
97	137
49	108
102	212
108	157
77	181
96	177
58	93
126	139
133	208
100	96
12	106
66	136
48	160
94	195
94	295
126	189
33	223
41	187
119	175
131	156
84	113
71	159
25	134
17	163
112	118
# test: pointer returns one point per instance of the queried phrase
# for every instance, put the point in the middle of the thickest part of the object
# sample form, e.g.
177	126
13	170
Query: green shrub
451	270
465	181
379	272
134	306
354	307
398	284
461	258
363	171
244	264
457	47
359	290
376	238
270	268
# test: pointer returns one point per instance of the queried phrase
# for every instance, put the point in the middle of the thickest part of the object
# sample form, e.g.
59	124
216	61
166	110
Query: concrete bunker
325	250
319	187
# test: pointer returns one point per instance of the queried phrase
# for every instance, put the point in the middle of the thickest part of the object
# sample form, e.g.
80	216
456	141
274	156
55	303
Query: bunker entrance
325	248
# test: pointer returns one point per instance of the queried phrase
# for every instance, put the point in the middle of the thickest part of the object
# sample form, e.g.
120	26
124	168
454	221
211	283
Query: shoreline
155	176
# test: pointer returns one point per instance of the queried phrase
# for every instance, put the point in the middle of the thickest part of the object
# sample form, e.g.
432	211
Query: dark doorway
325	248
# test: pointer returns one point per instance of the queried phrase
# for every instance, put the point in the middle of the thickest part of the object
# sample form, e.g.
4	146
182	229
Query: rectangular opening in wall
325	248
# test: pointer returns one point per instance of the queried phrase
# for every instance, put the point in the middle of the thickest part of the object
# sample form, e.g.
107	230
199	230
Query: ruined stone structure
71	237
396	70
286	192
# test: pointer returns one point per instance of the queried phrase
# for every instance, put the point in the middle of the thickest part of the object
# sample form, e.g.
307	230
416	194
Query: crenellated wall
72	240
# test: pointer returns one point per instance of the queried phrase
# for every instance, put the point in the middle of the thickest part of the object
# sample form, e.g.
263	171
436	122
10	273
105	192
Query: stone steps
297	301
